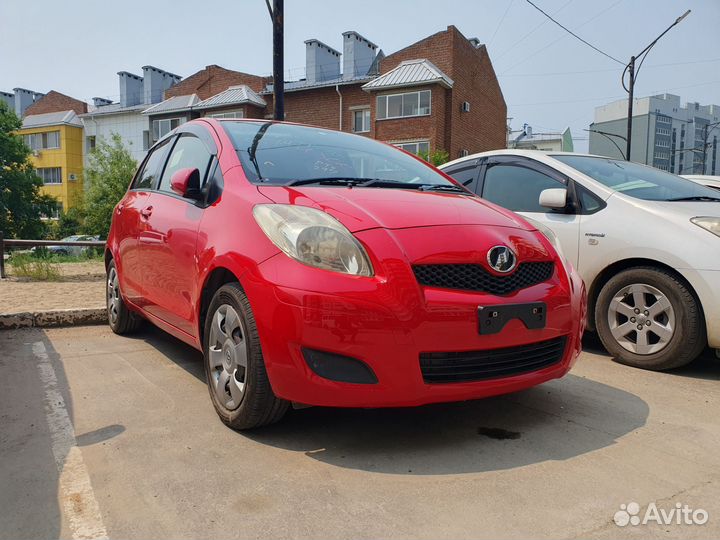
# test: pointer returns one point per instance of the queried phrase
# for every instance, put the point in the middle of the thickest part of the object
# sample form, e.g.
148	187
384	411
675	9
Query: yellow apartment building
56	140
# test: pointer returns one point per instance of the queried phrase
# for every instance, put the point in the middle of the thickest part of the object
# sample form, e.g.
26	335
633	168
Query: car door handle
146	212
120	208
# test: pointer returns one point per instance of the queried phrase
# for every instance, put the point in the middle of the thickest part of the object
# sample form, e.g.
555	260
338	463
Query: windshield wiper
695	198
442	187
330	180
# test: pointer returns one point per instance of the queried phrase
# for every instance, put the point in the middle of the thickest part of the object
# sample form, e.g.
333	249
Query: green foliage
70	223
436	157
21	203
91	254
35	268
110	169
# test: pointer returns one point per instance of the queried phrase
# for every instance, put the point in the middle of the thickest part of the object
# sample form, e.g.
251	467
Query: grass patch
58	258
34	268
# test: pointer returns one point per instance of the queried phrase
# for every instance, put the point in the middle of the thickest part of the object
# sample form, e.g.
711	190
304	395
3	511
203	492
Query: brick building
440	93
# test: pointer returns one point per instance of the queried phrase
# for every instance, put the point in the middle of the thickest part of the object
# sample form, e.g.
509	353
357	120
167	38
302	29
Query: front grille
474	277
452	367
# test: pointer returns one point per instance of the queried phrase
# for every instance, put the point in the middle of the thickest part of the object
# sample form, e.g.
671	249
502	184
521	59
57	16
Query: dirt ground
82	286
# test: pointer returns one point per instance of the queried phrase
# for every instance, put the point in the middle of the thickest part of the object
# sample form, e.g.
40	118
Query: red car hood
367	208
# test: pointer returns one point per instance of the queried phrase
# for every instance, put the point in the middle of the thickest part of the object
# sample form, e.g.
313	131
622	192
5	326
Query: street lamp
630	68
608	136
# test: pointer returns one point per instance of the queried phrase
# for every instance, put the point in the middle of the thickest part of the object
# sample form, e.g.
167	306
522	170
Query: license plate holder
492	319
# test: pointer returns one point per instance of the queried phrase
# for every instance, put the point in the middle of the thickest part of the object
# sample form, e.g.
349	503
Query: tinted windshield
639	181
283	153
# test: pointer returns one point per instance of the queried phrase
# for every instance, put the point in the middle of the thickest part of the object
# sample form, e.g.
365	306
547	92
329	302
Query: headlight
313	238
547	233
708	223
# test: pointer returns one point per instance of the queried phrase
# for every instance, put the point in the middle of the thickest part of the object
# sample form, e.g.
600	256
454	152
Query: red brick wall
55	102
212	80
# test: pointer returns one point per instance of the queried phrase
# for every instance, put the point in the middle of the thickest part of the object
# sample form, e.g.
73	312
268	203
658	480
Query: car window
465	175
589	203
189	151
517	188
147	177
275	153
635	180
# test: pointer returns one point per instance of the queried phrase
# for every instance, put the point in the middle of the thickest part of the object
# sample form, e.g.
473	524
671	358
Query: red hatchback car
322	268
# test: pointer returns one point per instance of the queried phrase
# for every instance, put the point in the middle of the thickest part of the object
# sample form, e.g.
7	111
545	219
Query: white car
646	242
704	179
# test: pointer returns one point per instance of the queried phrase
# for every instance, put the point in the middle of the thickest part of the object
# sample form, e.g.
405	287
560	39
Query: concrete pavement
108	435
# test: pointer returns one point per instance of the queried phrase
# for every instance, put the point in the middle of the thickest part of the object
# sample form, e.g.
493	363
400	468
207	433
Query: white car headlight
547	233
708	223
313	237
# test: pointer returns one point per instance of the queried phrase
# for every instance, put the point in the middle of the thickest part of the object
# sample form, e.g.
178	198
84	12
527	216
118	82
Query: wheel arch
216	278
618	266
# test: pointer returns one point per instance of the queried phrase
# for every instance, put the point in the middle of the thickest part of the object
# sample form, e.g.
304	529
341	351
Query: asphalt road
103	435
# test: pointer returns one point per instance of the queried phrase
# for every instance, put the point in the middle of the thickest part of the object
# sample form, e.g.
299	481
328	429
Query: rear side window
188	152
517	188
147	177
465	175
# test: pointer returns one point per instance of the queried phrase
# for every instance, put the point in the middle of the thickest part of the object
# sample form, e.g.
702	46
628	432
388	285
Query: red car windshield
275	153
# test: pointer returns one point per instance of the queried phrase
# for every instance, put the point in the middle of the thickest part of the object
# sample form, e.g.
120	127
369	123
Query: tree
436	157
21	203
110	169
68	223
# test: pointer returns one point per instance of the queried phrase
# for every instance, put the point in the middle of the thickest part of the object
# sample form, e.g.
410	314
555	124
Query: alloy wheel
113	296
227	357
641	319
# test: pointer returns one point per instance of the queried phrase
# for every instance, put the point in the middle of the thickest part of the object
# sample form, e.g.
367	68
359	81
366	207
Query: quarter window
361	121
403	105
147	177
188	152
517	188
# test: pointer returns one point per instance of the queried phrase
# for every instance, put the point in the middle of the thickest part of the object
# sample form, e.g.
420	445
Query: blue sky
549	79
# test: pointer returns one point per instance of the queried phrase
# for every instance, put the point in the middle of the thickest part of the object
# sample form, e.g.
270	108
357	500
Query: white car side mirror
553	198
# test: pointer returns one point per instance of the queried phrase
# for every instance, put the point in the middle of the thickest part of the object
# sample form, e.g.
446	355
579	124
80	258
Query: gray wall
601	146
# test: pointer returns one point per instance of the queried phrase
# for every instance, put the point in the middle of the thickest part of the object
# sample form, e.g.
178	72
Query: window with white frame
50	175
403	105
227	114
415	147
42	141
164	126
361	121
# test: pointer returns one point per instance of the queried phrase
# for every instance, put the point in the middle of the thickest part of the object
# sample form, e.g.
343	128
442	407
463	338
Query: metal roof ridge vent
322	62
358	55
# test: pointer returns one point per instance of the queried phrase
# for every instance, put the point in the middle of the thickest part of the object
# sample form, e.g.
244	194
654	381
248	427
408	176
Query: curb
56	317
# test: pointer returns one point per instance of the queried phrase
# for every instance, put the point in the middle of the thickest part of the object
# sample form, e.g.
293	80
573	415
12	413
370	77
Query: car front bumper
387	322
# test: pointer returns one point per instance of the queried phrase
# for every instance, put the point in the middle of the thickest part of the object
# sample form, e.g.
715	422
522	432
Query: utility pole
276	15
630	68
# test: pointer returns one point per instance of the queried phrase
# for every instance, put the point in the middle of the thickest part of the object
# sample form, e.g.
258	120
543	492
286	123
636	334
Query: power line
574	34
536	28
547	74
501	21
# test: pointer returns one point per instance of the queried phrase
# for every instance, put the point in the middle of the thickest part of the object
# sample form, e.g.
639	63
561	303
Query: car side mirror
186	182
555	198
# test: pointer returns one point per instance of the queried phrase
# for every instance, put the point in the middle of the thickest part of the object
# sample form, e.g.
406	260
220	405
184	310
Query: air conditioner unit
466	106
72	177
36	153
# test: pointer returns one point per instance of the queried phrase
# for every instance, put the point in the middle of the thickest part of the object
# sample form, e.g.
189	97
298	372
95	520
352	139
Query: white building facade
668	136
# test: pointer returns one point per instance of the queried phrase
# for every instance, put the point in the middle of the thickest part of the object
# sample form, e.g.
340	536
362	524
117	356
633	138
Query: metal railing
14	242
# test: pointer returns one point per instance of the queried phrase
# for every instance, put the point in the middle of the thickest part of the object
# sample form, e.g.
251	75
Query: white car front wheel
648	318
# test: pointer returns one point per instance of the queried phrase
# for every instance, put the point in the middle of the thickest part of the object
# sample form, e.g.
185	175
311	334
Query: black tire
258	405
688	338
121	320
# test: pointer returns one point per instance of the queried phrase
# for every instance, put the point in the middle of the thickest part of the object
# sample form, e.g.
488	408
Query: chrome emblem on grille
501	259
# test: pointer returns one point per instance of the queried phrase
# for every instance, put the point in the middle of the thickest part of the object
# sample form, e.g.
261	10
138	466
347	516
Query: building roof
303	84
235	95
176	103
55	102
212	80
114	108
69	118
410	73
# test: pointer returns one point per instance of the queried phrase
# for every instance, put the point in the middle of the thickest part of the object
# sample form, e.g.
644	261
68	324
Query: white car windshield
639	181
